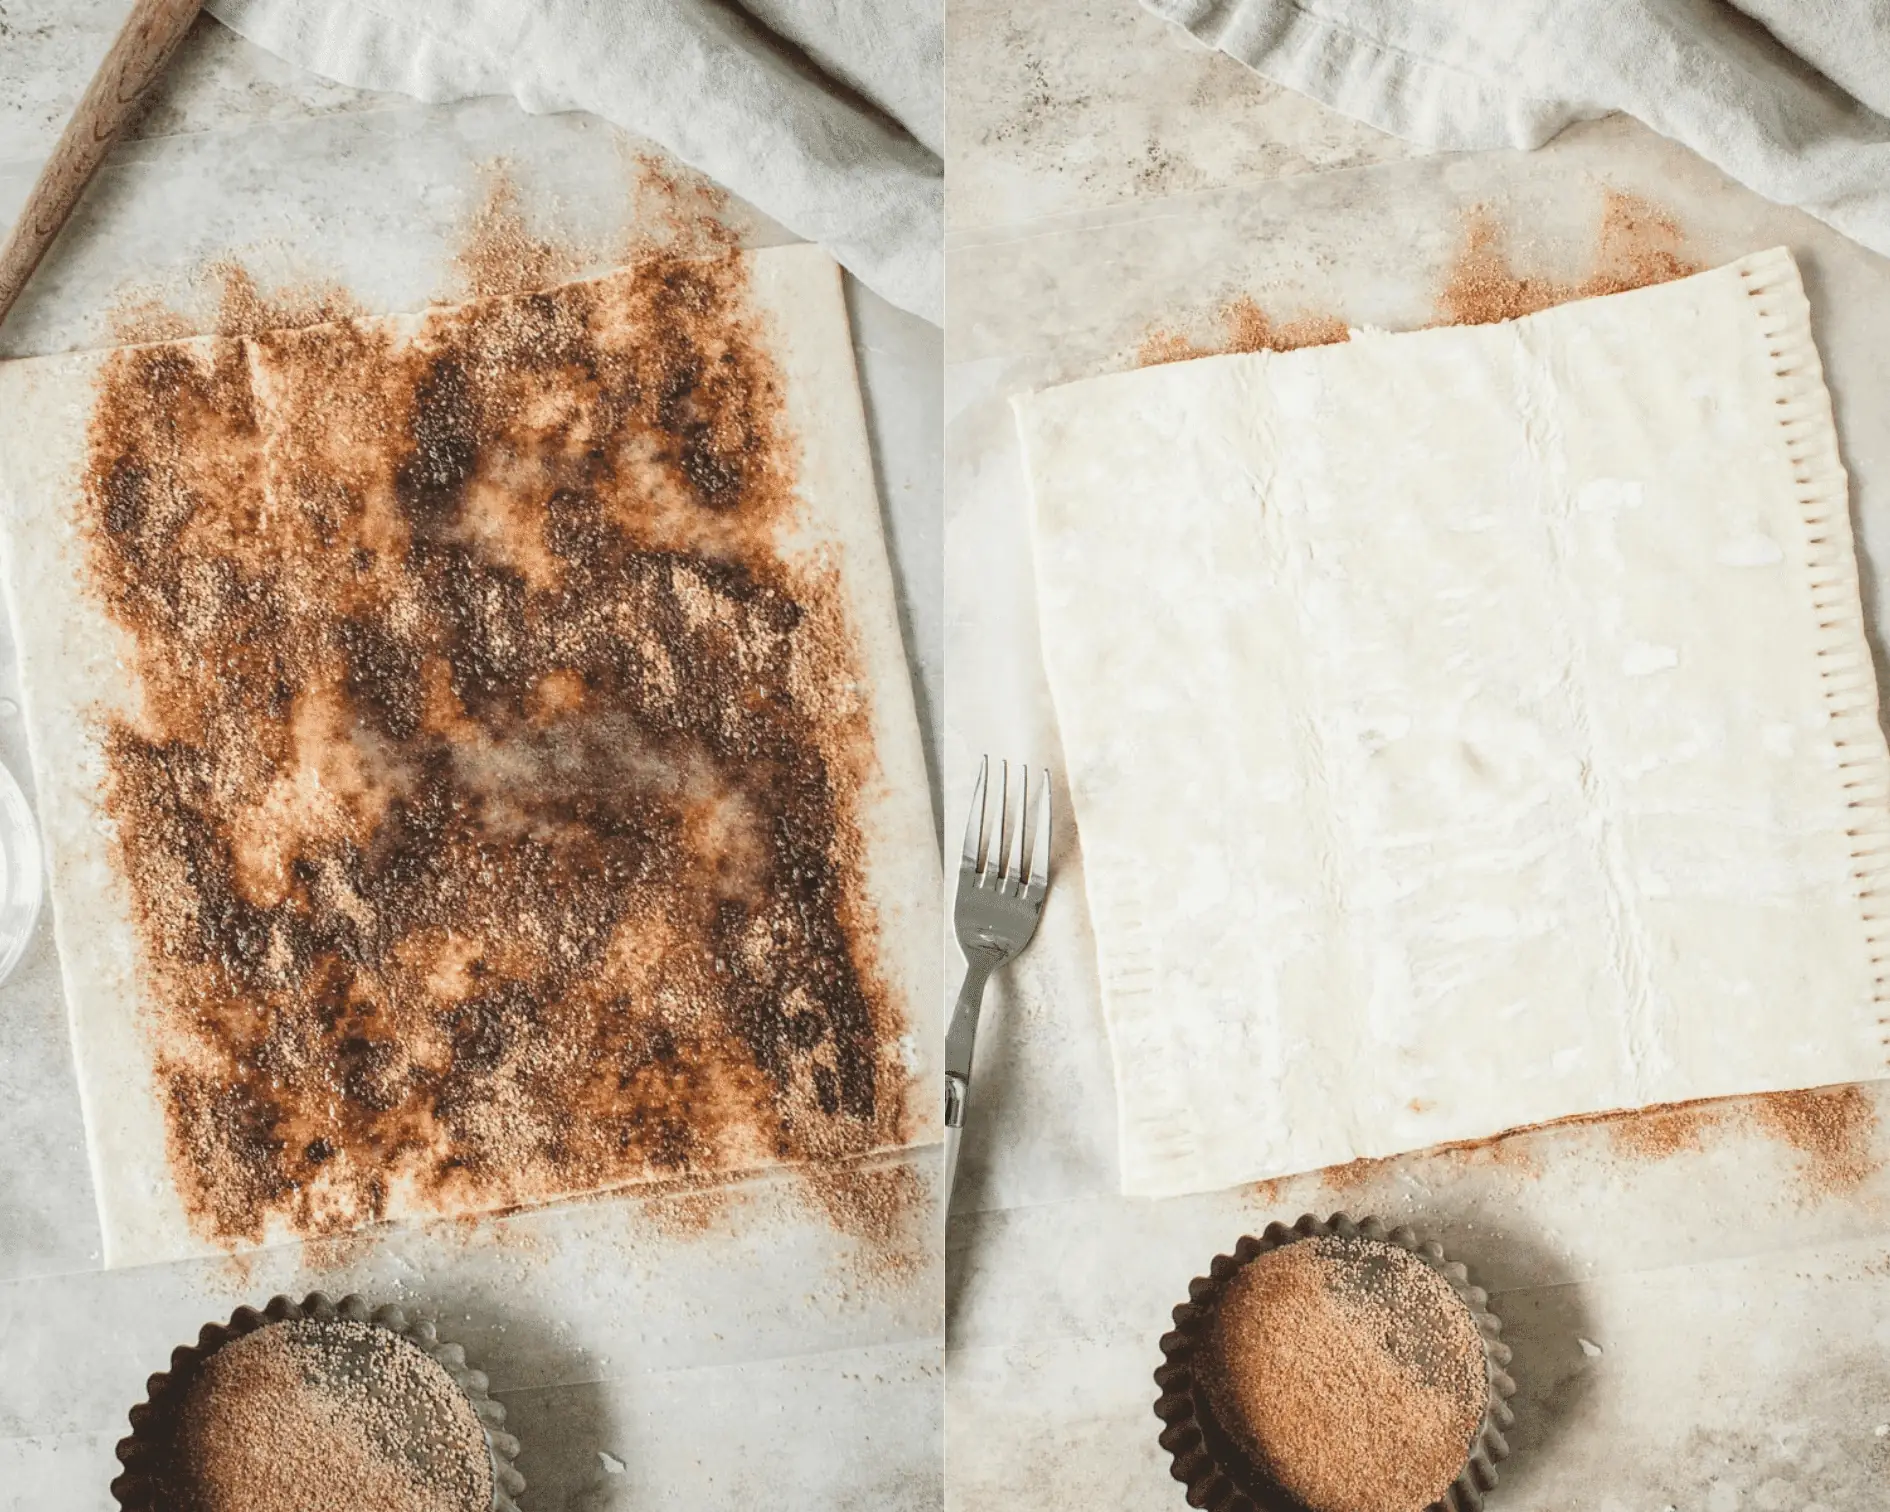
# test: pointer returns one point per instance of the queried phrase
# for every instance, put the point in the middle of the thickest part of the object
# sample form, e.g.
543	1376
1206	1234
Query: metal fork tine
1040	836
974	830
1015	868
1000	827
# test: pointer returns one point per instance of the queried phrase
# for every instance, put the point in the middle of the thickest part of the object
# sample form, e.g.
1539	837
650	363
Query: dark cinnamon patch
489	817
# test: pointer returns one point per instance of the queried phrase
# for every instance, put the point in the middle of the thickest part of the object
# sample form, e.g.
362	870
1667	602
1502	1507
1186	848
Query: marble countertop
658	1350
1699	1304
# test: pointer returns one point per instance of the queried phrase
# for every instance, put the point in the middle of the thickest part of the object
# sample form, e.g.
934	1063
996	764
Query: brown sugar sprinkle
489	816
881	1203
498	254
677	210
242	309
139	317
1506	1150
1245	327
1636	244
1350	1372
1833	1127
672	212
309	1417
1265	1195
686	1212
1663	1132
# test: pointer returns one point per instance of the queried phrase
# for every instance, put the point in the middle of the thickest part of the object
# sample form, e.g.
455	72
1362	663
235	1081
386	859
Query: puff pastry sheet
78	673
1467	728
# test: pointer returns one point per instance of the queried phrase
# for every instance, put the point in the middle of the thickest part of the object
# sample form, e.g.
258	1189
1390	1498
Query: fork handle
962	1033
954	1134
960	1038
955	1090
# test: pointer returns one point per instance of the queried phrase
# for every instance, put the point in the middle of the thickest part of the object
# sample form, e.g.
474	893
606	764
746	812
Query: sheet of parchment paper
474	750
1468	729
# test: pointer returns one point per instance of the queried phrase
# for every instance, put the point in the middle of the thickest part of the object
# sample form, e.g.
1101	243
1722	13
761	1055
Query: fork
994	917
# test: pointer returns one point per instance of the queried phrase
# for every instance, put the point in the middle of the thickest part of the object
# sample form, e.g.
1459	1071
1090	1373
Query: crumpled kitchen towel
1790	97
826	114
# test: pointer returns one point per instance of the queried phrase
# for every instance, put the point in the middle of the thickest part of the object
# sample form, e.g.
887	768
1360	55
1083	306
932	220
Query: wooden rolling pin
138	55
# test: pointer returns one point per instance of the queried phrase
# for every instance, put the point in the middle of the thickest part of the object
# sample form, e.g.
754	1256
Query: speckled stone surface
729	1350
1078	104
1699	1304
215	82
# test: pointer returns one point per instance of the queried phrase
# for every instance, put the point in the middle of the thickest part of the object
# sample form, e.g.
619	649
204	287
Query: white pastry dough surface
1467	728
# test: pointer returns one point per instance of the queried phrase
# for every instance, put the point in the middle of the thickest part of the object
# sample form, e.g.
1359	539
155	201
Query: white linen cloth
1467	728
1790	97
827	116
